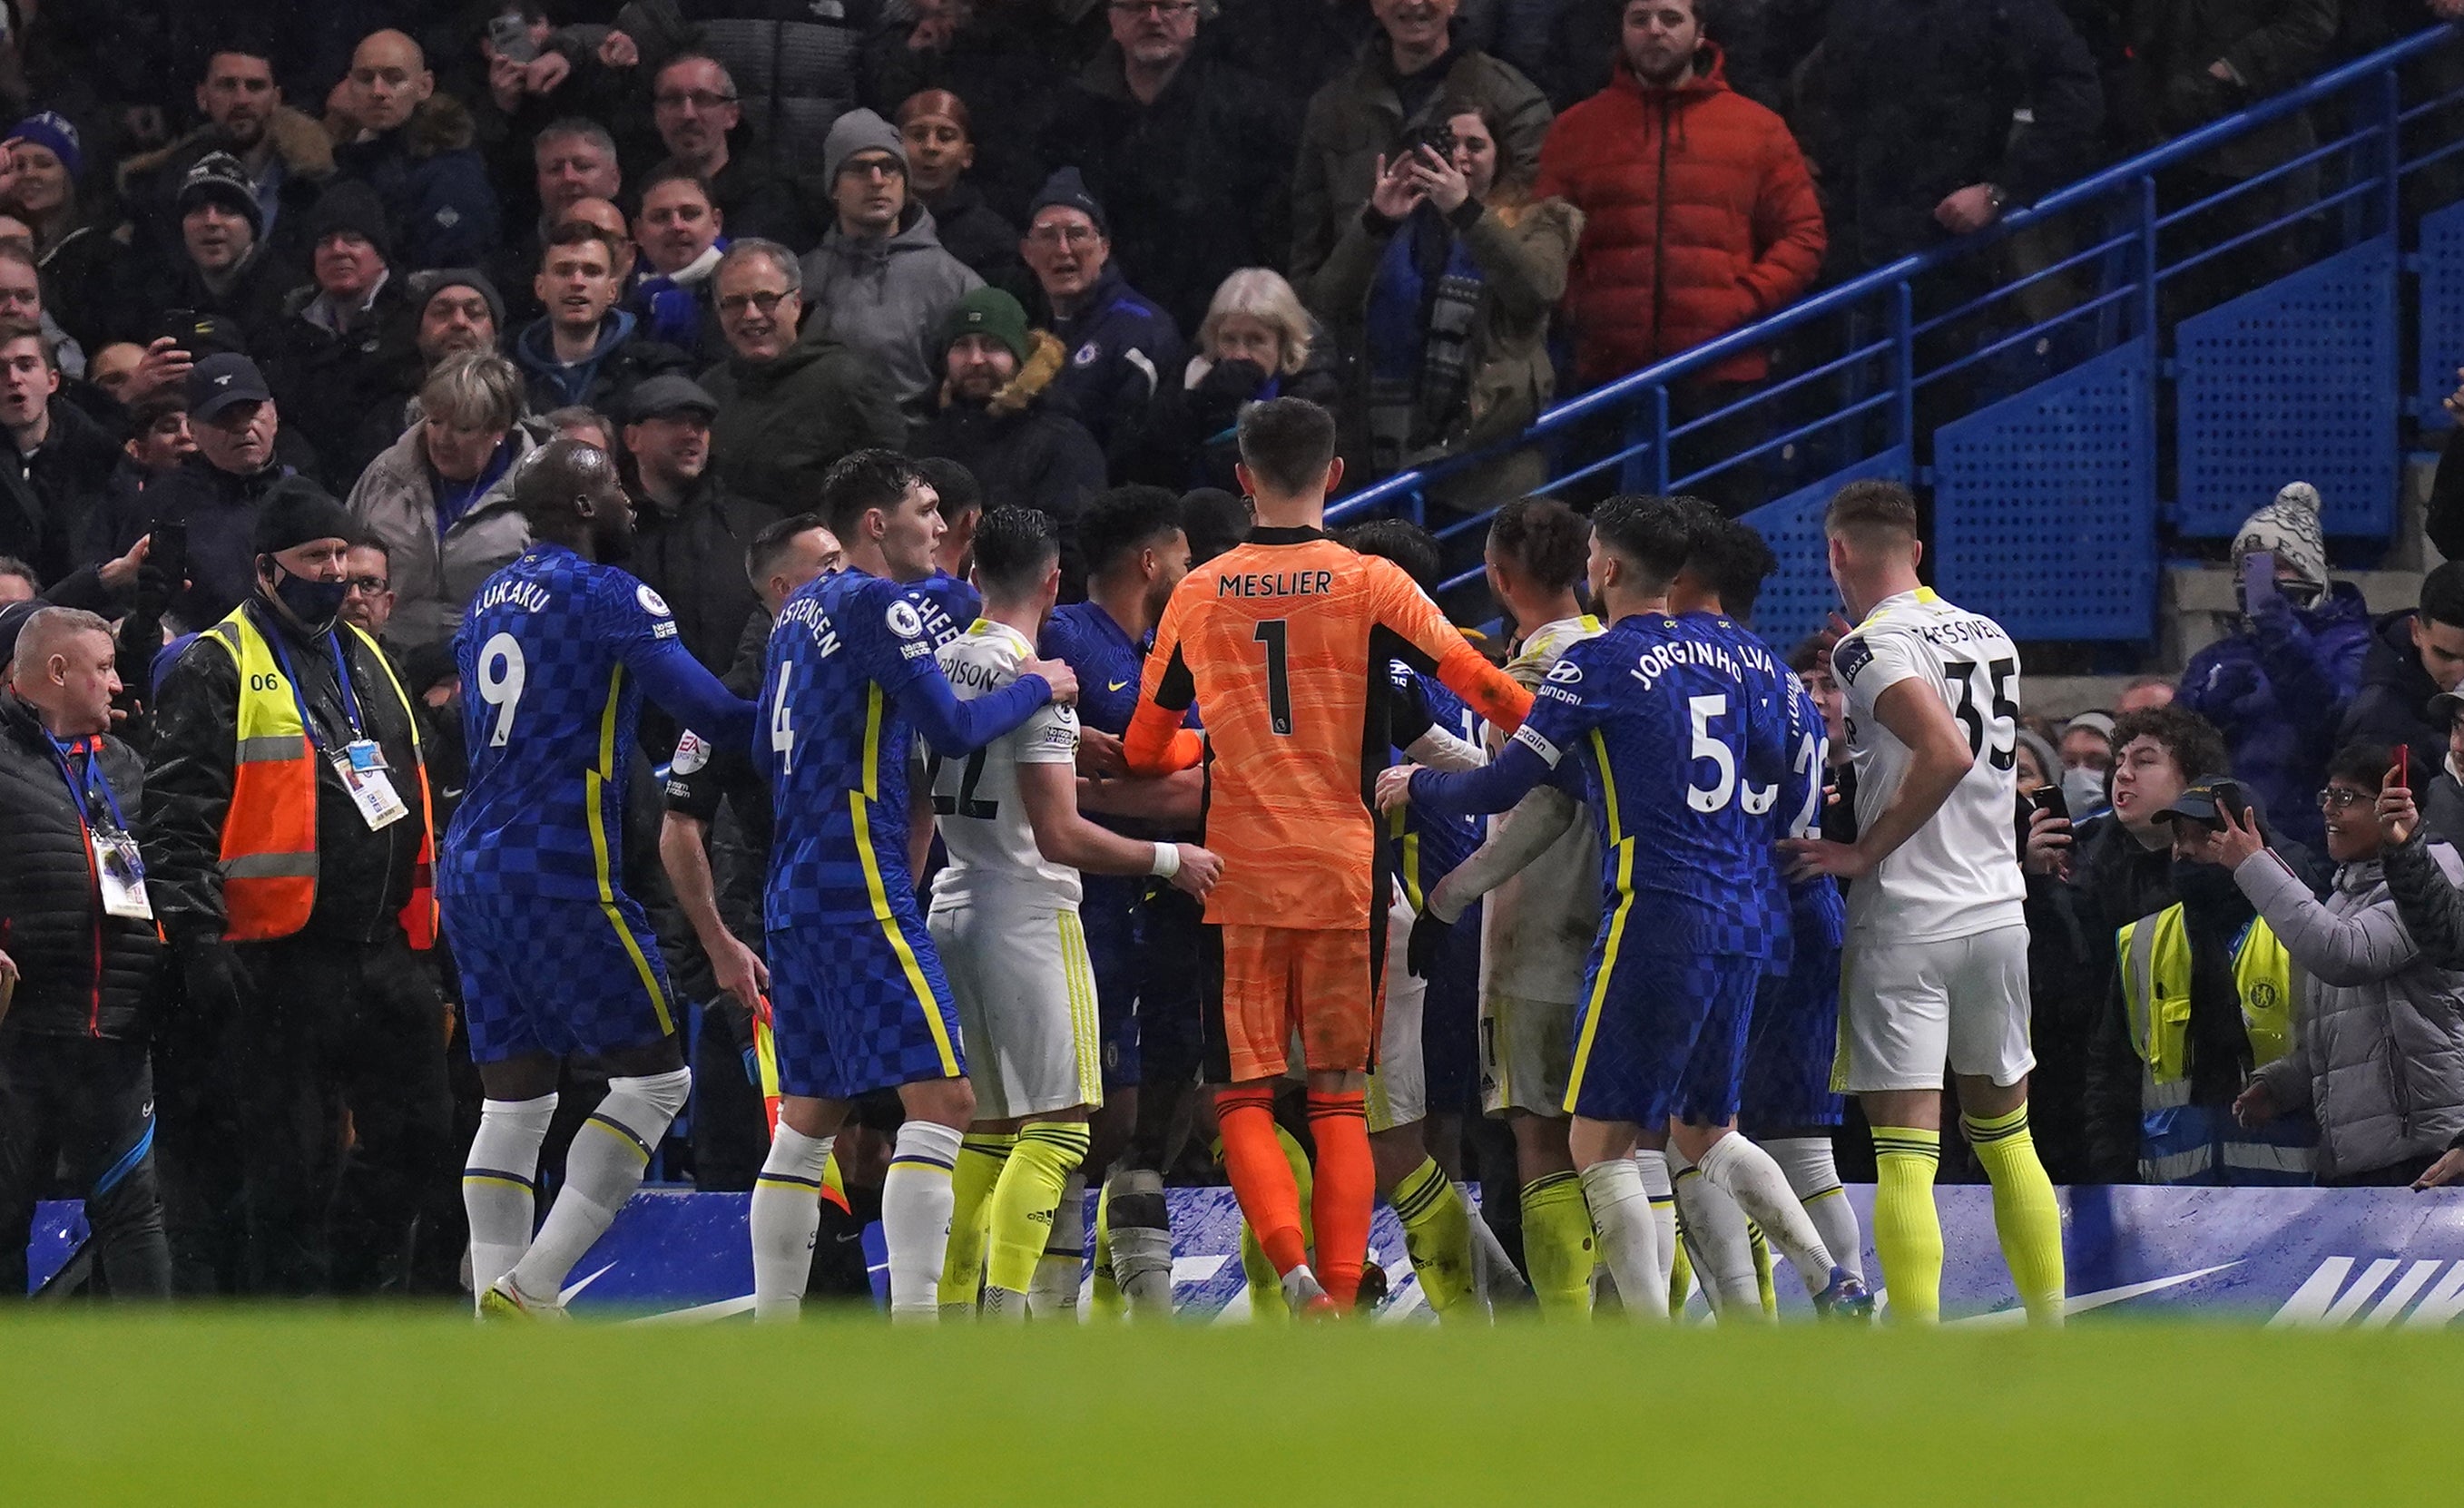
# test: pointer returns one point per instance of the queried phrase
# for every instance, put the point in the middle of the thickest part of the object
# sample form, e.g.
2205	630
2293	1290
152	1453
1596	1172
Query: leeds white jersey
993	856
1958	875
1537	926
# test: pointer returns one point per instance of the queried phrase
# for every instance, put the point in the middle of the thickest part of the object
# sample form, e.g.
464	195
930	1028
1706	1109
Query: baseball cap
2201	800
2443	708
669	393
218	381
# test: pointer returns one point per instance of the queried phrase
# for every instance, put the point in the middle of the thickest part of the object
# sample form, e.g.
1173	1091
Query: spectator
787	407
690	532
18	582
880	282
53	467
2086	747
156	440
1005	61
2412	657
679	232
1386	102
459	310
565	78
2378	1032
369	604
2442	795
413	146
588	425
73	245
1169	135
441	499
218	491
221	268
1255	342
584	349
1119	343
695	107
1939	115
312	983
2144	691
1699	215
78	943
572	159
1447	278
21	298
939	136
798	60
609	222
998	420
2276	686
113	368
346	345
2034	764
285	155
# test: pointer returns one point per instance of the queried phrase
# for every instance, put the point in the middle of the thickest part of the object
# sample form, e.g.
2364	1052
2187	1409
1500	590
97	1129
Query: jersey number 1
1276	634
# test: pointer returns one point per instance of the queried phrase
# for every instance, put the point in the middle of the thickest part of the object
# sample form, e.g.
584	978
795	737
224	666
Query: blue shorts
1450	1023
1171	1024
1790	1047
1109	911
548	975
1663	1036
858	1002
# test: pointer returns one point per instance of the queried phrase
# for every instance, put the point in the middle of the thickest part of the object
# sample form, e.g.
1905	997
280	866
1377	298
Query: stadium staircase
2092	394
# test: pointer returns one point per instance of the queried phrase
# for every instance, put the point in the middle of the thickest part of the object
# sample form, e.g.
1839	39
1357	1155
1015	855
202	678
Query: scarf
1421	309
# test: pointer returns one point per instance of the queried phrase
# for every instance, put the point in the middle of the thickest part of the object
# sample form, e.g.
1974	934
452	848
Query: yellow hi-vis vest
2156	987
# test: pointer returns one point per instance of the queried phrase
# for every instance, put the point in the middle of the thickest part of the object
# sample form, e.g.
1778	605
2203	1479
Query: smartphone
2403	771
168	553
2258	579
2050	799
511	34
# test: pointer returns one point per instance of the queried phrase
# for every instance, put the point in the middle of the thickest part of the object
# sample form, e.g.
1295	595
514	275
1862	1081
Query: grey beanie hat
859	131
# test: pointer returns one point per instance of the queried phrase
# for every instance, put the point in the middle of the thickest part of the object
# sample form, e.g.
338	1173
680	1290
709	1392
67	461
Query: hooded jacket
2392	705
887	297
2276	691
600	379
782	423
1023	452
81	972
434	184
1698	217
2378	1053
434	578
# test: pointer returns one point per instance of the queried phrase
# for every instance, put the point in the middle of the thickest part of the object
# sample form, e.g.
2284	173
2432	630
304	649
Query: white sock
1064	1263
1140	1226
1629	1239
786	1218
1663	1208
1760	1189
500	1184
1814	1178
1715	1232
601	1169
915	1204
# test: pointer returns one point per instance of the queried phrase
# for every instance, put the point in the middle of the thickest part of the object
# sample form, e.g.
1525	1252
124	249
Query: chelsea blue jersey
1680	733
1107	661
553	653
1424	846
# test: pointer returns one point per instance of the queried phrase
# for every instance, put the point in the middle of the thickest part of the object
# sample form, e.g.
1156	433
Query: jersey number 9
501	673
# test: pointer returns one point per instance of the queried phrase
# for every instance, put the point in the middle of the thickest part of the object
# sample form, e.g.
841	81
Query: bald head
389	81
64	669
608	221
569	493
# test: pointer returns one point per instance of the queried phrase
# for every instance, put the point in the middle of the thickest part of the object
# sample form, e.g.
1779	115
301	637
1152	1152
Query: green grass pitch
380	1408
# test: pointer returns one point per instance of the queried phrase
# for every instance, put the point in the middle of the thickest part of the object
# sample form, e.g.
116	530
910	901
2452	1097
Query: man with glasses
694	105
1120	347
1167	137
787	408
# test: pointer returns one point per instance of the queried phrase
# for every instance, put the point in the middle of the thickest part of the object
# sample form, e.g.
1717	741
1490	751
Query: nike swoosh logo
2082	1302
1114	686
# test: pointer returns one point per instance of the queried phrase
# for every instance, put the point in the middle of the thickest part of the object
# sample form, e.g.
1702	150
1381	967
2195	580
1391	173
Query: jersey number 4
1992	736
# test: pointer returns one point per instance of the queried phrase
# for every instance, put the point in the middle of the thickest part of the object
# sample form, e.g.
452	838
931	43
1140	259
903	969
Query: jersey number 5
501	673
1993	737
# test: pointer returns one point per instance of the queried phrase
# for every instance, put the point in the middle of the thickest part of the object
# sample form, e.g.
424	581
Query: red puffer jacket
1698	217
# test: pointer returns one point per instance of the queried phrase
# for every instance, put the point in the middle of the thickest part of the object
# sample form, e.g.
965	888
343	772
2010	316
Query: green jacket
781	423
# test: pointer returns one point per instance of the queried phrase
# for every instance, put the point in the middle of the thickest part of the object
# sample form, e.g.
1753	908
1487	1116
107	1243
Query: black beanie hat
296	510
351	206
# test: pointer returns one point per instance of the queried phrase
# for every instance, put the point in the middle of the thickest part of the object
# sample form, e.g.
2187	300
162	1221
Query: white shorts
1907	1008
1526	1054
1027	1006
1399	1086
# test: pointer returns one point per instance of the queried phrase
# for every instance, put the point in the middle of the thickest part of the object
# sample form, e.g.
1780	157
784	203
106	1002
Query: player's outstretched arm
1472	792
1175	801
1065	837
687	691
956	728
1938	760
1403	608
1537	820
1157	744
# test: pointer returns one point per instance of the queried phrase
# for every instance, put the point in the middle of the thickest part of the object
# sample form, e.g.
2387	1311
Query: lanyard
341	673
81	791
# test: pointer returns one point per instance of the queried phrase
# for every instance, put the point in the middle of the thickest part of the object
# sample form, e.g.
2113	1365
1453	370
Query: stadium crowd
293	298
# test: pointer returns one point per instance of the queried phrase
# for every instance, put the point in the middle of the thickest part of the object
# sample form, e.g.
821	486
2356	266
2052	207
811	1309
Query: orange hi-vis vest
269	855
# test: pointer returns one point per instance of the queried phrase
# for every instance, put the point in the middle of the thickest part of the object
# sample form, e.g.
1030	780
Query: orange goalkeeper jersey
1283	643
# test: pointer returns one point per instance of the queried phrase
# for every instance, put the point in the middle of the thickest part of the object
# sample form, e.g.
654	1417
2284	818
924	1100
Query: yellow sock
1907	1229
980	1160
2025	1216
1106	1295
1680	1272
1761	1246
1045	1154
1437	1234
1557	1247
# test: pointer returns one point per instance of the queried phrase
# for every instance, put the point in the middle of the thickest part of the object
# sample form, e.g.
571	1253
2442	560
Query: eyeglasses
368	585
1063	235
698	99
2332	800
1168	10
763	304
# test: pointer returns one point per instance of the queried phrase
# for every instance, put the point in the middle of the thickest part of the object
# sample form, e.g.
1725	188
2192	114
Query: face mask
2082	790
315	604
2206	888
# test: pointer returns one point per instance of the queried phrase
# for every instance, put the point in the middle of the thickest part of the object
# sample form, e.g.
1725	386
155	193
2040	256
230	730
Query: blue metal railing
2114	262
